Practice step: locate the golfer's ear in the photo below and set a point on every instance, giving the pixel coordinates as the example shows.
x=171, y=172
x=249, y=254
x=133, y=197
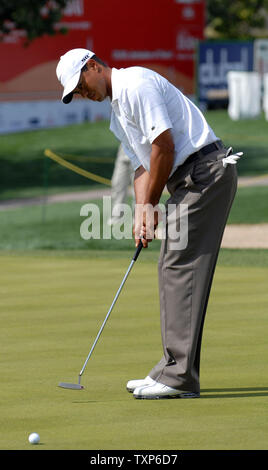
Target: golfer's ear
x=92, y=64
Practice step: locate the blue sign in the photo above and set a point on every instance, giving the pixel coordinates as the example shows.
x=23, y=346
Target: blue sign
x=215, y=60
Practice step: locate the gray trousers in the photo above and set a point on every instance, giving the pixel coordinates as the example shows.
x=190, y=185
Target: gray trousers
x=185, y=275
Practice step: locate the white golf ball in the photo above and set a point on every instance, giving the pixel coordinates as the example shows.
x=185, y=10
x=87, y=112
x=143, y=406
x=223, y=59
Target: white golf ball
x=34, y=438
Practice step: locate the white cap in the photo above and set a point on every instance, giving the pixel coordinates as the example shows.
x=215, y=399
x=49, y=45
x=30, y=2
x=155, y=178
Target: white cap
x=69, y=69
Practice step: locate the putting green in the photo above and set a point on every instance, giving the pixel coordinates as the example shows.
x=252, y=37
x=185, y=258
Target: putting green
x=51, y=310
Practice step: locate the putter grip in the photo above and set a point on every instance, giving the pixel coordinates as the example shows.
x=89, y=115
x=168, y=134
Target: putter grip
x=138, y=250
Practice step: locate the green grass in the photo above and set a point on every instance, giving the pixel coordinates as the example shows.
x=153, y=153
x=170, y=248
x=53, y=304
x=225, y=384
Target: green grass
x=248, y=136
x=52, y=306
x=57, y=226
x=94, y=147
x=250, y=206
x=23, y=163
x=227, y=256
x=88, y=139
x=37, y=191
x=56, y=289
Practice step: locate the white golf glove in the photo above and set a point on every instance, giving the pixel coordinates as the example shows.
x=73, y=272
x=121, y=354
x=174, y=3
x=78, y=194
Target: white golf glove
x=231, y=157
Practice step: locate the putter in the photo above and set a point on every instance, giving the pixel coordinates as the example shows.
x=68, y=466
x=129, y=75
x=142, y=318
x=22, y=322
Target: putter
x=79, y=386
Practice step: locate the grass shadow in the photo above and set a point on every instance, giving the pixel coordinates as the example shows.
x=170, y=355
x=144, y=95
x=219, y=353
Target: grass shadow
x=244, y=392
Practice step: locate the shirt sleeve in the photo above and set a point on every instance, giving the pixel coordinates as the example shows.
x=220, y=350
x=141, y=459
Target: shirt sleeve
x=120, y=134
x=150, y=111
x=133, y=159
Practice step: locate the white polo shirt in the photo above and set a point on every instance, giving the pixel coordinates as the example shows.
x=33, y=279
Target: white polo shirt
x=145, y=104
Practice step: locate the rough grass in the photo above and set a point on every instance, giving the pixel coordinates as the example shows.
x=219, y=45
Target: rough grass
x=57, y=226
x=94, y=148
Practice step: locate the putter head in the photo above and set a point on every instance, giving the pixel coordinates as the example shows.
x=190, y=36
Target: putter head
x=71, y=386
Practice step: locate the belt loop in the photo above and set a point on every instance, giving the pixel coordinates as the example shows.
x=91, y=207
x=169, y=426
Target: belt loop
x=218, y=144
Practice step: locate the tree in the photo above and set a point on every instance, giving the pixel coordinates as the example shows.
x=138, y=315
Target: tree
x=237, y=19
x=35, y=17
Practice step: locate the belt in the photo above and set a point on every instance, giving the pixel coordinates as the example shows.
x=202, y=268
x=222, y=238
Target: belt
x=205, y=151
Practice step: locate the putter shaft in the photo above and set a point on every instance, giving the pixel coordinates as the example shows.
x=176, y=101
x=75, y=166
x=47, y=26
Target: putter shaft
x=136, y=254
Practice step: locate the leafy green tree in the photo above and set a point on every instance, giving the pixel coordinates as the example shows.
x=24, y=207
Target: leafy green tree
x=237, y=19
x=35, y=17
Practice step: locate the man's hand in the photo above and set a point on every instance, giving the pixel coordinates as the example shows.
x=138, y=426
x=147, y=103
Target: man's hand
x=147, y=219
x=149, y=187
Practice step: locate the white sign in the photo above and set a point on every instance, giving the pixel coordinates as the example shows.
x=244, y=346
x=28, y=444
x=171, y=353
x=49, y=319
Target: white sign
x=29, y=115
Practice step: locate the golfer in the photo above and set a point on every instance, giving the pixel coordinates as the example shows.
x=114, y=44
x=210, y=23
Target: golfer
x=169, y=144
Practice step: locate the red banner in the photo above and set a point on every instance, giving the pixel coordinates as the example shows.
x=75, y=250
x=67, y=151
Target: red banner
x=158, y=34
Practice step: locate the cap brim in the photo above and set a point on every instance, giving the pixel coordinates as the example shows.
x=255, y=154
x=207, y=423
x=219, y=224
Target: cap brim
x=69, y=88
x=68, y=98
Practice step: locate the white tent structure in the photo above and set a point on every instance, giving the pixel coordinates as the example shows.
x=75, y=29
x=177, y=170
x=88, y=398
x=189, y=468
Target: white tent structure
x=244, y=89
